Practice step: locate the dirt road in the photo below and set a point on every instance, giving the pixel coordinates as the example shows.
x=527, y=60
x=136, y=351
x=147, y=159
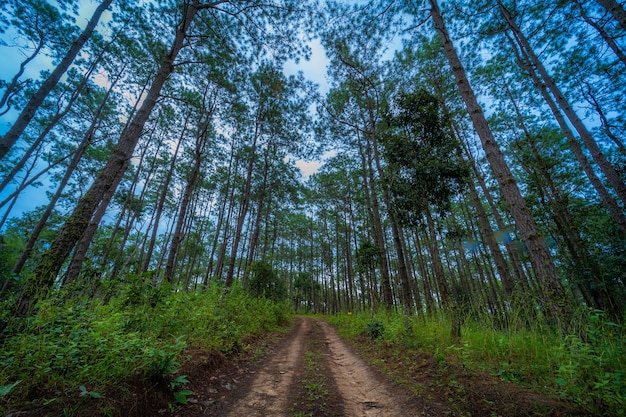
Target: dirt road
x=313, y=373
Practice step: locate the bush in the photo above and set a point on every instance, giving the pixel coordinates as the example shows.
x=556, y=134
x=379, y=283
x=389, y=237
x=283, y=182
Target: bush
x=69, y=344
x=375, y=329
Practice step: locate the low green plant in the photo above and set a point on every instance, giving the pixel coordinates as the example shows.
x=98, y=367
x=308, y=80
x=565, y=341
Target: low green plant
x=375, y=329
x=74, y=343
x=6, y=389
x=587, y=367
x=86, y=393
x=180, y=394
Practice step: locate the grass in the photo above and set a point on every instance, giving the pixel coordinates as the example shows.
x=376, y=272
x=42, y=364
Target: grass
x=586, y=368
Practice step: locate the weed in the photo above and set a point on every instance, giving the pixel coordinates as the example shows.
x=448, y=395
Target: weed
x=71, y=344
x=375, y=329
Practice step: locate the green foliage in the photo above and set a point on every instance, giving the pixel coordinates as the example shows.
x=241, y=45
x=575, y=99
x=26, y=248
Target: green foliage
x=587, y=368
x=74, y=344
x=180, y=396
x=375, y=329
x=305, y=291
x=423, y=168
x=93, y=394
x=6, y=389
x=264, y=282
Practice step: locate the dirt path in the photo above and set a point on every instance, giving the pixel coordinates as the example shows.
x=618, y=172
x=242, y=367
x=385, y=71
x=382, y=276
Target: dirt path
x=311, y=372
x=269, y=391
x=362, y=390
x=283, y=385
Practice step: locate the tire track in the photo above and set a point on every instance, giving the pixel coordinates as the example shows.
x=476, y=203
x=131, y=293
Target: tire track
x=268, y=394
x=363, y=392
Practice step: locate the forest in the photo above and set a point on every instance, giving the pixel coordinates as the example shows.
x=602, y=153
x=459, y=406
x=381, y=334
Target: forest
x=454, y=183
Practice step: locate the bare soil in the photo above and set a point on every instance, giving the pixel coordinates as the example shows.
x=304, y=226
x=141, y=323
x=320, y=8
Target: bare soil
x=310, y=371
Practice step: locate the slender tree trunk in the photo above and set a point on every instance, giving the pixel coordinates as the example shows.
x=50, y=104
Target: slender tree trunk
x=165, y=189
x=9, y=92
x=605, y=36
x=77, y=156
x=108, y=179
x=201, y=141
x=405, y=291
x=12, y=199
x=596, y=153
x=609, y=202
x=44, y=133
x=28, y=112
x=376, y=222
x=428, y=292
x=553, y=293
x=243, y=209
x=220, y=219
x=603, y=119
x=78, y=257
x=254, y=239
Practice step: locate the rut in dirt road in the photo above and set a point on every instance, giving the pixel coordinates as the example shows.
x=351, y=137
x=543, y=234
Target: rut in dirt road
x=268, y=395
x=364, y=393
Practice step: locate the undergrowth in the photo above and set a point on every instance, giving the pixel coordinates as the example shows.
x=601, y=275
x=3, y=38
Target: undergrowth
x=83, y=348
x=586, y=368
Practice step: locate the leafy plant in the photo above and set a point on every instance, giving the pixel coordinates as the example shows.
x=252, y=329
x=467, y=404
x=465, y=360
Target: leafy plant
x=375, y=329
x=6, y=389
x=93, y=394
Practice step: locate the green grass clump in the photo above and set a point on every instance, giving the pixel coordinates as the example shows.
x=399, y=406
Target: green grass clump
x=86, y=346
x=587, y=368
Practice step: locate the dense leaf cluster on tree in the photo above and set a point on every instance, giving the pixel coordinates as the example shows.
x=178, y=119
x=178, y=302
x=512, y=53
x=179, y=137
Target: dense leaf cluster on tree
x=478, y=170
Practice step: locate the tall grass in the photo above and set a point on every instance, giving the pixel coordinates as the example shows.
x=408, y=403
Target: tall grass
x=587, y=367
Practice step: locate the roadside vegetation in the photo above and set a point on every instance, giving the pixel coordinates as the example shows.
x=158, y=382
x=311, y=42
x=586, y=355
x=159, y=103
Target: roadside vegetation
x=586, y=368
x=76, y=350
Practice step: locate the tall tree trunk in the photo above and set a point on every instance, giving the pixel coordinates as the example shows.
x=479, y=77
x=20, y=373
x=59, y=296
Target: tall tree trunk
x=82, y=147
x=609, y=202
x=201, y=141
x=28, y=112
x=12, y=199
x=220, y=218
x=553, y=293
x=405, y=290
x=254, y=239
x=108, y=179
x=10, y=90
x=245, y=200
x=375, y=220
x=165, y=189
x=78, y=257
x=51, y=124
x=605, y=36
x=596, y=153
